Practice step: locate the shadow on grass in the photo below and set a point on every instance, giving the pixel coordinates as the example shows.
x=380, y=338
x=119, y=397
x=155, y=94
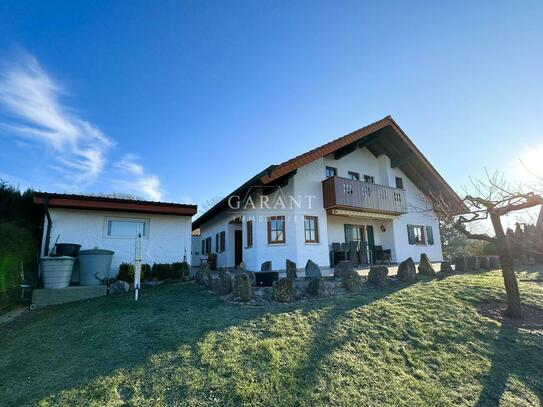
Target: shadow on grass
x=63, y=347
x=524, y=364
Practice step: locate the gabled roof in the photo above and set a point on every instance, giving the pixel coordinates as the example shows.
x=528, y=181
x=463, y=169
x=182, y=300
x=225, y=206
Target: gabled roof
x=72, y=201
x=382, y=137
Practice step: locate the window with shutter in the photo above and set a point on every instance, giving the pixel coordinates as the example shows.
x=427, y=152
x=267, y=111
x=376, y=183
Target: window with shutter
x=222, y=241
x=429, y=235
x=250, y=233
x=415, y=234
x=410, y=234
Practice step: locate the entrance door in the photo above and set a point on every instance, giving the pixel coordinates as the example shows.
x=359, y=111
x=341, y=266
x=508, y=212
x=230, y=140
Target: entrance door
x=238, y=249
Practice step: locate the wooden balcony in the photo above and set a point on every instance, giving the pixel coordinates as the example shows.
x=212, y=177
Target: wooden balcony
x=351, y=195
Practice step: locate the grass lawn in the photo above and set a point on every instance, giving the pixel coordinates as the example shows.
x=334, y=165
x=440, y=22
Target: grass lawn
x=422, y=344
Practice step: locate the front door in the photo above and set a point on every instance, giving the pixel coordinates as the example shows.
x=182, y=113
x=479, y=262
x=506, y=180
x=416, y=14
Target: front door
x=238, y=251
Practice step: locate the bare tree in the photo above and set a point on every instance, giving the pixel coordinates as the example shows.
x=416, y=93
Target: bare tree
x=491, y=199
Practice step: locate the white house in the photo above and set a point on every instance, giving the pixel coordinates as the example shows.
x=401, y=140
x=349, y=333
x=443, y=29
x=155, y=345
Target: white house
x=368, y=187
x=111, y=223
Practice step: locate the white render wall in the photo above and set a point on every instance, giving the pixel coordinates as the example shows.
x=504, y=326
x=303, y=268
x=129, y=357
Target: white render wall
x=168, y=241
x=308, y=182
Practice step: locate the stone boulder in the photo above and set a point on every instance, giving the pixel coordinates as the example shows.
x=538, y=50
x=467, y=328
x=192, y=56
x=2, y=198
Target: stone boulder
x=460, y=264
x=291, y=270
x=319, y=287
x=531, y=261
x=243, y=290
x=343, y=268
x=266, y=266
x=425, y=267
x=494, y=262
x=473, y=263
x=283, y=290
x=352, y=281
x=523, y=259
x=202, y=275
x=378, y=276
x=214, y=283
x=446, y=267
x=119, y=287
x=407, y=271
x=312, y=270
x=225, y=282
x=483, y=262
x=184, y=270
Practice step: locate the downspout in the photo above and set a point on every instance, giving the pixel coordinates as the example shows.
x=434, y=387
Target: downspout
x=49, y=225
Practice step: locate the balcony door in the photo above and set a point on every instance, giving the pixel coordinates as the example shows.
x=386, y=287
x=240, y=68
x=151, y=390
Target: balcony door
x=354, y=233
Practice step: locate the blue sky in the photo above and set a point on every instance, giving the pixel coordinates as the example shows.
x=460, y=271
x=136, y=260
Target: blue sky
x=185, y=100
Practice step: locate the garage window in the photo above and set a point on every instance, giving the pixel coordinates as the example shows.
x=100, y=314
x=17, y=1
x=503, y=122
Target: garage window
x=126, y=228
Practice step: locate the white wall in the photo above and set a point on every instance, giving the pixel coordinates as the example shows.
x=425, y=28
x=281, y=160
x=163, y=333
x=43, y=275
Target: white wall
x=168, y=241
x=361, y=161
x=418, y=214
x=216, y=225
x=308, y=182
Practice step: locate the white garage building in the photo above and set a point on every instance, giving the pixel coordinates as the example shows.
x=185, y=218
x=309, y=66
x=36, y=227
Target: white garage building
x=112, y=223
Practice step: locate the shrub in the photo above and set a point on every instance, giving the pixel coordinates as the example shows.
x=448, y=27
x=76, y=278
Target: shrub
x=126, y=272
x=162, y=271
x=16, y=254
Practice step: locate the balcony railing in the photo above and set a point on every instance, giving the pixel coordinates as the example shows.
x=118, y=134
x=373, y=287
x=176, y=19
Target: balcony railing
x=344, y=193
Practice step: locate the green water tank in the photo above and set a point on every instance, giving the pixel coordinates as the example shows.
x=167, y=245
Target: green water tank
x=94, y=266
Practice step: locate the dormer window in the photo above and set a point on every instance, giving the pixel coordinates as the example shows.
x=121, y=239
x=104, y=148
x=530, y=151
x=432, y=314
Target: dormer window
x=331, y=172
x=354, y=175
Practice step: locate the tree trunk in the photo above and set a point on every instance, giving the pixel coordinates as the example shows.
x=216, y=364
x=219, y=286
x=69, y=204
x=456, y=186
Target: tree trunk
x=508, y=270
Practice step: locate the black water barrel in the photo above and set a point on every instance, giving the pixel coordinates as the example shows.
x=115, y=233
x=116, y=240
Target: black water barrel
x=67, y=249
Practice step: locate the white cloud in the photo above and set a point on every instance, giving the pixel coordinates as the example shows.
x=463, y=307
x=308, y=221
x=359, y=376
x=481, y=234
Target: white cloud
x=31, y=108
x=128, y=164
x=31, y=99
x=141, y=184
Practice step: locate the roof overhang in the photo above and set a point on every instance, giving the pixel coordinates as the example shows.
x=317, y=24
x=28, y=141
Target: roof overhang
x=112, y=204
x=381, y=137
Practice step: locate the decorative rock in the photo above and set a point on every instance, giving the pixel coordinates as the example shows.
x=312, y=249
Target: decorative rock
x=119, y=287
x=343, y=268
x=184, y=270
x=242, y=288
x=225, y=282
x=291, y=270
x=214, y=283
x=473, y=263
x=460, y=263
x=266, y=266
x=523, y=259
x=318, y=287
x=202, y=273
x=446, y=267
x=378, y=276
x=407, y=271
x=483, y=262
x=494, y=262
x=283, y=290
x=252, y=278
x=312, y=270
x=352, y=281
x=531, y=261
x=425, y=267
